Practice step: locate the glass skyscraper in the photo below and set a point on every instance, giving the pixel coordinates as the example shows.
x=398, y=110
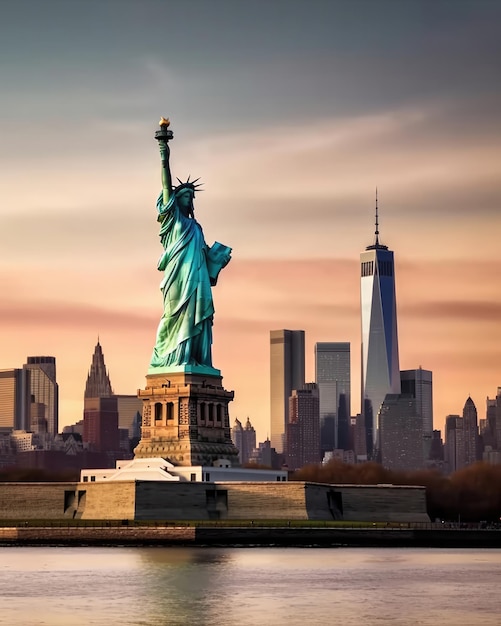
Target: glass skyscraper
x=332, y=375
x=44, y=388
x=419, y=384
x=380, y=364
x=14, y=400
x=286, y=374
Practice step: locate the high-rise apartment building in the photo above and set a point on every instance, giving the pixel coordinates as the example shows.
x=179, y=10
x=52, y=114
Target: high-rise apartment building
x=286, y=374
x=380, y=364
x=14, y=400
x=44, y=388
x=303, y=429
x=418, y=383
x=332, y=374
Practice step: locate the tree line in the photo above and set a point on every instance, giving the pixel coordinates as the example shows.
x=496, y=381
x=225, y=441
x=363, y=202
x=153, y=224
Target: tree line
x=472, y=494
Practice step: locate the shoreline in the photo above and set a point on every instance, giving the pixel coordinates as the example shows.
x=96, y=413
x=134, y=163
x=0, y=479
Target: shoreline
x=249, y=536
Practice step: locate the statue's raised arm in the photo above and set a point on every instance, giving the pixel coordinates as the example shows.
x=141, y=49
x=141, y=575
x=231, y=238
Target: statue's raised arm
x=163, y=135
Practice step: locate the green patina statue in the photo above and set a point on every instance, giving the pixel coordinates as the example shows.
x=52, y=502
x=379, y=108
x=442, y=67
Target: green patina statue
x=191, y=268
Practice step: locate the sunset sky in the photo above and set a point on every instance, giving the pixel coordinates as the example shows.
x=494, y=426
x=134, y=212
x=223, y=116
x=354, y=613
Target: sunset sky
x=291, y=112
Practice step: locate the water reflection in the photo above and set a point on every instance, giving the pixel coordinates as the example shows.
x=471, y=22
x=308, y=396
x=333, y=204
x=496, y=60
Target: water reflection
x=186, y=583
x=248, y=586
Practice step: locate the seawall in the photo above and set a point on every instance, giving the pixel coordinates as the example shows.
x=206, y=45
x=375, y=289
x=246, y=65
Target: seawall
x=250, y=536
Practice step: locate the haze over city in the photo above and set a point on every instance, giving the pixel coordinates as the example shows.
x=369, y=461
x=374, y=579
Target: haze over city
x=291, y=113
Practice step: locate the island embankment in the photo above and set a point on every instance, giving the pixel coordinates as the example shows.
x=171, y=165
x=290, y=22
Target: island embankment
x=196, y=534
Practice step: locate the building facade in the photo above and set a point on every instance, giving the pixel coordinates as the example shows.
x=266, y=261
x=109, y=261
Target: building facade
x=244, y=438
x=44, y=388
x=470, y=432
x=332, y=375
x=380, y=361
x=400, y=433
x=303, y=429
x=14, y=400
x=418, y=383
x=286, y=374
x=101, y=424
x=454, y=443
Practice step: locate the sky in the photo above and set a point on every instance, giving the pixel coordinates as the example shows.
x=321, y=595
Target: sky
x=292, y=113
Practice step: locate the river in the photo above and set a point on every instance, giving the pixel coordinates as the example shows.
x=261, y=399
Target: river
x=152, y=586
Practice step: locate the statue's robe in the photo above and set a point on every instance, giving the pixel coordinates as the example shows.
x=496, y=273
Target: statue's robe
x=184, y=335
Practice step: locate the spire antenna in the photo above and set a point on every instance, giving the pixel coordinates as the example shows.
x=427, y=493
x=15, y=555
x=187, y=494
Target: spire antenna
x=377, y=223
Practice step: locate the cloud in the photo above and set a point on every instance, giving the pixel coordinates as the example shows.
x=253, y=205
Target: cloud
x=456, y=309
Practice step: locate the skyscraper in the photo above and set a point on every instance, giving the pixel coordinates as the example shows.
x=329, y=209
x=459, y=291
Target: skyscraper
x=303, y=429
x=100, y=420
x=400, y=433
x=418, y=383
x=98, y=381
x=380, y=364
x=470, y=430
x=332, y=373
x=14, y=400
x=44, y=388
x=454, y=443
x=286, y=374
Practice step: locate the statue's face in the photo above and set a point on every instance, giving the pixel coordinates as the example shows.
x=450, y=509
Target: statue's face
x=184, y=199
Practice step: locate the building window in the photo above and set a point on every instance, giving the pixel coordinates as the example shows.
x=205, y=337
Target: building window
x=207, y=477
x=170, y=410
x=367, y=268
x=158, y=410
x=92, y=479
x=86, y=479
x=193, y=477
x=211, y=412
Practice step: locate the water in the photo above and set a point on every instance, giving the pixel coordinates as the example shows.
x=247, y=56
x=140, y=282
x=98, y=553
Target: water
x=249, y=586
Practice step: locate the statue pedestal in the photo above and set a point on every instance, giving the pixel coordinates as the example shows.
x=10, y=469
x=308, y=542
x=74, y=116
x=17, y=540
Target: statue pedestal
x=186, y=418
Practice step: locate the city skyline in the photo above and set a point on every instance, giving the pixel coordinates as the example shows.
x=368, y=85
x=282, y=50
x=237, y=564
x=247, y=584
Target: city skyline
x=291, y=138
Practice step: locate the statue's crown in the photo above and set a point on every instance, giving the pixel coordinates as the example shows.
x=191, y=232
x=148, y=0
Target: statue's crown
x=192, y=186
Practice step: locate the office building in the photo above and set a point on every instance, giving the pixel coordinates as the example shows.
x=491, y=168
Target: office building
x=400, y=433
x=286, y=374
x=14, y=400
x=100, y=419
x=494, y=419
x=454, y=443
x=303, y=428
x=101, y=424
x=359, y=437
x=418, y=383
x=98, y=383
x=380, y=363
x=470, y=432
x=44, y=389
x=332, y=375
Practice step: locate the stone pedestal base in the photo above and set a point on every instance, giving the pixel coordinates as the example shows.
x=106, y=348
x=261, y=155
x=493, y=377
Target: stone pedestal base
x=186, y=419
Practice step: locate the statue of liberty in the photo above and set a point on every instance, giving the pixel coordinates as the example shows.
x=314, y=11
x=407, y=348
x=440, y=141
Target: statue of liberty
x=191, y=268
